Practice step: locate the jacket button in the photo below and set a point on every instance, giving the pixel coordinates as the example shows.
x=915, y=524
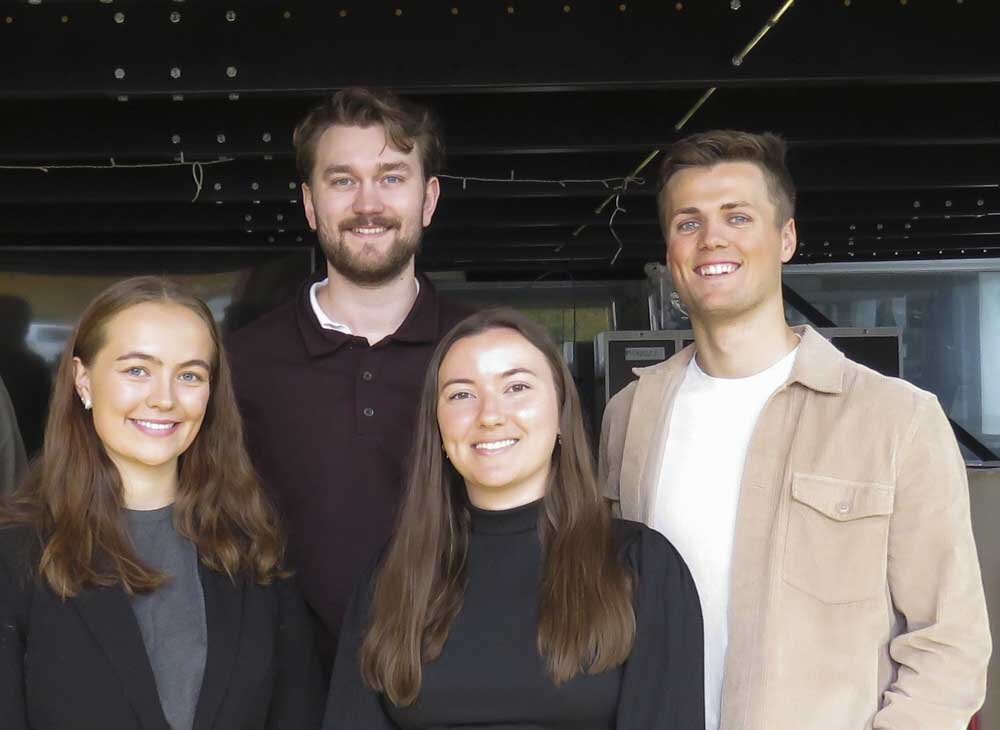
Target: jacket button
x=843, y=507
x=367, y=375
x=369, y=412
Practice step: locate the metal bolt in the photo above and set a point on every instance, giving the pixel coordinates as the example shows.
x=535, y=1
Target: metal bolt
x=454, y=11
x=567, y=8
x=879, y=226
x=735, y=4
x=907, y=226
x=248, y=217
x=622, y=8
x=266, y=136
x=176, y=139
x=220, y=138
x=916, y=203
x=217, y=186
x=175, y=73
x=175, y=17
x=230, y=15
x=64, y=19
x=234, y=97
x=287, y=15
x=280, y=217
x=342, y=13
x=119, y=73
x=178, y=97
x=947, y=204
x=980, y=202
x=255, y=186
x=119, y=18
x=292, y=186
x=122, y=97
x=399, y=11
x=231, y=72
x=510, y=10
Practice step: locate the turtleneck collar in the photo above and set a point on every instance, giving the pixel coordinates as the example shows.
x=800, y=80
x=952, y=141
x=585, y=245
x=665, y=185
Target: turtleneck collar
x=505, y=521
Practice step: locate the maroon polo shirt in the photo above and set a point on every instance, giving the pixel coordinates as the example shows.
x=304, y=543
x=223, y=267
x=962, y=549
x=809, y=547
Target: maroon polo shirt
x=329, y=421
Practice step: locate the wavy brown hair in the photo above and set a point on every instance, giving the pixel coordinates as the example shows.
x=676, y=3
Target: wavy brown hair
x=73, y=496
x=586, y=617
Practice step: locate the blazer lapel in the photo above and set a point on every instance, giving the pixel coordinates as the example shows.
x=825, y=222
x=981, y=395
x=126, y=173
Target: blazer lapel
x=110, y=618
x=224, y=615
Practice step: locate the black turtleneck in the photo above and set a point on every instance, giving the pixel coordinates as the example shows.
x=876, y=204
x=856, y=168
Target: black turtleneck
x=490, y=674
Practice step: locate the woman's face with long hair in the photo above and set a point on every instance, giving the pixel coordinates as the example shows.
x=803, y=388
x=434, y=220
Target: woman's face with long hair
x=498, y=413
x=148, y=384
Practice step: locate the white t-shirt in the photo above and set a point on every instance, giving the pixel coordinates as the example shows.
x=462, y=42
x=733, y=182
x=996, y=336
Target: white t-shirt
x=699, y=490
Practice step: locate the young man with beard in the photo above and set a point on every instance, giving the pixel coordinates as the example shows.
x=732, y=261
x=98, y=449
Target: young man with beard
x=822, y=508
x=328, y=383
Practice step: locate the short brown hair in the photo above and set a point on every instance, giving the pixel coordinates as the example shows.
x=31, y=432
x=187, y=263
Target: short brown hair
x=406, y=124
x=707, y=149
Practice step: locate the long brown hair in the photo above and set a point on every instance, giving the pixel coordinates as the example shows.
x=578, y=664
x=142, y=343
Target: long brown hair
x=73, y=495
x=586, y=618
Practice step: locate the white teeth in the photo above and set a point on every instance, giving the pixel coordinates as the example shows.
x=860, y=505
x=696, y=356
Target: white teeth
x=370, y=231
x=717, y=269
x=496, y=445
x=156, y=426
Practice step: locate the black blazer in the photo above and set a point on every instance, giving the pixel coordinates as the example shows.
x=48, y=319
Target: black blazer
x=81, y=664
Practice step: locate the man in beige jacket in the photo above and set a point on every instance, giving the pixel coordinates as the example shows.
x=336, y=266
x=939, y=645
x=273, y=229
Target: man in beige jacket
x=822, y=508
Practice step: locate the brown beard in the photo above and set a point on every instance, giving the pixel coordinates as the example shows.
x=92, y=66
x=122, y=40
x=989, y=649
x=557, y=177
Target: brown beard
x=396, y=259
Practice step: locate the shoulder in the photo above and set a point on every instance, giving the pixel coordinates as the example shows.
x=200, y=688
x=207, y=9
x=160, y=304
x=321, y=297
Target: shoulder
x=260, y=336
x=894, y=398
x=20, y=551
x=645, y=550
x=450, y=312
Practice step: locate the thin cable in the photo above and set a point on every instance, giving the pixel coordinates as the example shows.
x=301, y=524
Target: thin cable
x=607, y=182
x=115, y=165
x=198, y=173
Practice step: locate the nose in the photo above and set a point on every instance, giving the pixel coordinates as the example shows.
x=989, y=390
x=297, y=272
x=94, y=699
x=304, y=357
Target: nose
x=368, y=199
x=491, y=411
x=161, y=393
x=712, y=236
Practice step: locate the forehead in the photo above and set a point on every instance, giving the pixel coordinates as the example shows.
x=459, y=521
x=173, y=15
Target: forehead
x=359, y=147
x=492, y=353
x=168, y=331
x=702, y=187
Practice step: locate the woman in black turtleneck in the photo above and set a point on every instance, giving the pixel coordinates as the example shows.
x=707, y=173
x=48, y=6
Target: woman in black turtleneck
x=508, y=597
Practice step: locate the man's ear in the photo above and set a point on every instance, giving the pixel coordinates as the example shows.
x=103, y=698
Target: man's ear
x=432, y=191
x=307, y=204
x=789, y=241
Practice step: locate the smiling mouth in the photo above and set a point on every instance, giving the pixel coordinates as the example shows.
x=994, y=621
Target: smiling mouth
x=494, y=447
x=711, y=271
x=155, y=428
x=369, y=231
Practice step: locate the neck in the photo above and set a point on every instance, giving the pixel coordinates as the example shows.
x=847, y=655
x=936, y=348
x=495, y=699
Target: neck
x=744, y=346
x=149, y=487
x=505, y=498
x=373, y=312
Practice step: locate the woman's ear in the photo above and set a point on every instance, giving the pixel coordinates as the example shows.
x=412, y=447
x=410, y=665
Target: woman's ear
x=81, y=379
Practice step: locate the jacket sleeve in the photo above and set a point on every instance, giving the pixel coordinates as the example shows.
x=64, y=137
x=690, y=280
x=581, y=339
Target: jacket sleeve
x=614, y=425
x=351, y=704
x=663, y=687
x=13, y=708
x=935, y=585
x=12, y=457
x=299, y=689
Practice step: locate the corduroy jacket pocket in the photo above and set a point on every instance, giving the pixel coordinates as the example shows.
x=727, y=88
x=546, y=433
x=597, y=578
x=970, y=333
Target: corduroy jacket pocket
x=837, y=538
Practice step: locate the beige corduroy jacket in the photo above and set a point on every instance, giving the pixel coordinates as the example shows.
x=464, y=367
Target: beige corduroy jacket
x=856, y=597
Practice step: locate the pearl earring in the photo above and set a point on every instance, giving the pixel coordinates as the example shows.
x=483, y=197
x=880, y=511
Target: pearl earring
x=87, y=405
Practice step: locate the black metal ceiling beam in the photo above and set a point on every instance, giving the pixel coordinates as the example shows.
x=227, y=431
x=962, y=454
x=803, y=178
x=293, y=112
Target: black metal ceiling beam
x=602, y=44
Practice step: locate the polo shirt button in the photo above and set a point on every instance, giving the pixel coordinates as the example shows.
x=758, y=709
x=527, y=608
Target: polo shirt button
x=367, y=375
x=843, y=507
x=369, y=412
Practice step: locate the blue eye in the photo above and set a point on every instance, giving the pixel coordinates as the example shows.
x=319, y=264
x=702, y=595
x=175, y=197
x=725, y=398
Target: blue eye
x=136, y=371
x=687, y=226
x=739, y=219
x=341, y=182
x=393, y=179
x=191, y=378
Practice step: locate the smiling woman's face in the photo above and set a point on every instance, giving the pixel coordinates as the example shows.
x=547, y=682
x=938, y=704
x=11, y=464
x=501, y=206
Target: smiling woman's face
x=149, y=384
x=498, y=412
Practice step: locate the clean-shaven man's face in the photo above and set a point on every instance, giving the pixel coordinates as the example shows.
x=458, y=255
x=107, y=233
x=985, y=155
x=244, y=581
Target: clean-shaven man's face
x=725, y=246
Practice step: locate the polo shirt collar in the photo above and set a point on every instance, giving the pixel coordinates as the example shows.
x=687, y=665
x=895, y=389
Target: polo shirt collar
x=421, y=324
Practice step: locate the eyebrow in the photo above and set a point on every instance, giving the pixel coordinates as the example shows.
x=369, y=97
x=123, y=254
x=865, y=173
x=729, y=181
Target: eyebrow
x=504, y=374
x=725, y=206
x=398, y=166
x=158, y=361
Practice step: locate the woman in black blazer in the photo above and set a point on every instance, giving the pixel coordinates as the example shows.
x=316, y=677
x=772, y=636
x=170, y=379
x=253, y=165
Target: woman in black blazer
x=140, y=565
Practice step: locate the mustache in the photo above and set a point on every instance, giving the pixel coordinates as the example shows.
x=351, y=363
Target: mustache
x=377, y=221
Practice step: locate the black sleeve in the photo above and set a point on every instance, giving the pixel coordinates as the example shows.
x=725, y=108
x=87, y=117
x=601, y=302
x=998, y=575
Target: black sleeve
x=351, y=705
x=298, y=695
x=12, y=646
x=664, y=683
